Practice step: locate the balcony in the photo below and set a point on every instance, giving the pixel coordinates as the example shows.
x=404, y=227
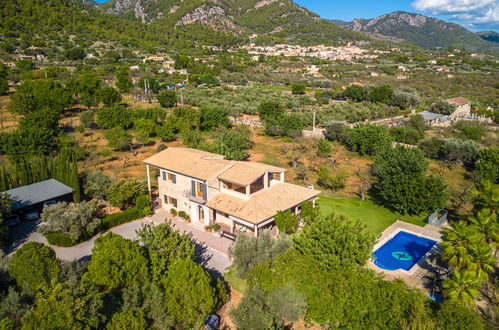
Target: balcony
x=198, y=198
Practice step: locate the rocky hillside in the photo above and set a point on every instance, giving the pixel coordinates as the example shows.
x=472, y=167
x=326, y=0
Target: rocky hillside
x=421, y=30
x=267, y=20
x=489, y=36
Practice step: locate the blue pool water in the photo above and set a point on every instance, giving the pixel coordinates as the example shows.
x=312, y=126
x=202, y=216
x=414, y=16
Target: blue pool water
x=402, y=251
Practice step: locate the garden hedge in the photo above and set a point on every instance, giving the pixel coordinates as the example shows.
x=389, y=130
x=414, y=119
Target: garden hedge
x=122, y=217
x=60, y=239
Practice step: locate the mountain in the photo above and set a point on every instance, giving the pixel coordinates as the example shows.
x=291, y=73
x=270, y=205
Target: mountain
x=269, y=21
x=489, y=36
x=421, y=30
x=62, y=24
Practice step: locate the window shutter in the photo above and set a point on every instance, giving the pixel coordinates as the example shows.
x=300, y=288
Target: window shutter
x=205, y=193
x=174, y=178
x=193, y=188
x=164, y=175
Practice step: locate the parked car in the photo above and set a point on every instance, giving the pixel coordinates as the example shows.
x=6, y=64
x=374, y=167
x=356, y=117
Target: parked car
x=212, y=322
x=12, y=220
x=31, y=216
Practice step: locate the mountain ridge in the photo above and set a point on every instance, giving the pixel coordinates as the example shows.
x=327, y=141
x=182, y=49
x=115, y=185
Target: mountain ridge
x=424, y=31
x=272, y=20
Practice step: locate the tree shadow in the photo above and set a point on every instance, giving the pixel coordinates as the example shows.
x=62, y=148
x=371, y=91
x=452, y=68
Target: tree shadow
x=19, y=234
x=202, y=256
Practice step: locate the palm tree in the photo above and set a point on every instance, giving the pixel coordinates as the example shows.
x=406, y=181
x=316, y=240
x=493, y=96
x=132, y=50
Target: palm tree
x=486, y=223
x=483, y=261
x=463, y=287
x=458, y=244
x=486, y=196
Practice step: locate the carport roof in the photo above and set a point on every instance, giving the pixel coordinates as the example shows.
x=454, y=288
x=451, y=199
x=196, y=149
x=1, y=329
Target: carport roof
x=37, y=193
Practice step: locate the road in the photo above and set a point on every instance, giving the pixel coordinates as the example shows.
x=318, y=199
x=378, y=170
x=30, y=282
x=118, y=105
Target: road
x=214, y=261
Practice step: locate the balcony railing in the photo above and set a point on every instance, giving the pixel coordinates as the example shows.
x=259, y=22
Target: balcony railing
x=194, y=198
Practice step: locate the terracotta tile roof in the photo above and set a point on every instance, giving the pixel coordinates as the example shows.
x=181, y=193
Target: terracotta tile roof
x=459, y=101
x=191, y=162
x=264, y=204
x=244, y=173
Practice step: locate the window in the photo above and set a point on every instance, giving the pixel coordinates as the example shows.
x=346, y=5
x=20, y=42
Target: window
x=199, y=189
x=172, y=177
x=163, y=174
x=172, y=201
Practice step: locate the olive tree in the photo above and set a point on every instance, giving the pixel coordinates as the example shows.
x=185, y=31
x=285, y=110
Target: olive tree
x=78, y=220
x=124, y=192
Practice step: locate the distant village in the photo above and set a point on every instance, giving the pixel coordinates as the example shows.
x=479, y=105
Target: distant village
x=347, y=53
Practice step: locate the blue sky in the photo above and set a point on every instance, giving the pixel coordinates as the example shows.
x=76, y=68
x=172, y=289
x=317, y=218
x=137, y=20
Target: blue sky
x=476, y=15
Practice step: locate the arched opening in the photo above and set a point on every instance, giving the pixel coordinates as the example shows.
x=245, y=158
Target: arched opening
x=201, y=213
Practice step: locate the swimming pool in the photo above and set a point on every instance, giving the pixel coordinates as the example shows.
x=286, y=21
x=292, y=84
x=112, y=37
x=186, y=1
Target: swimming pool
x=402, y=251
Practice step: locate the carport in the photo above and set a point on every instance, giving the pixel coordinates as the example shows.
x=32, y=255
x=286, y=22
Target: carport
x=33, y=196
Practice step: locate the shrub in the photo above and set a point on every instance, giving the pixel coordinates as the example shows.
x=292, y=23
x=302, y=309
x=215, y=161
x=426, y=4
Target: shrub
x=356, y=93
x=34, y=266
x=142, y=202
x=109, y=95
x=459, y=151
x=213, y=117
x=250, y=251
x=121, y=218
x=173, y=212
x=114, y=116
x=78, y=220
x=298, y=89
x=216, y=227
x=286, y=221
x=327, y=180
x=472, y=130
x=406, y=135
x=368, y=139
x=335, y=131
x=87, y=118
x=184, y=215
x=442, y=107
x=323, y=148
x=60, y=239
x=487, y=166
x=125, y=192
x=380, y=94
x=405, y=98
x=167, y=98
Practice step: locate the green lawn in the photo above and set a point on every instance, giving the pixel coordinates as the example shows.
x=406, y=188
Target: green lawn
x=235, y=281
x=376, y=218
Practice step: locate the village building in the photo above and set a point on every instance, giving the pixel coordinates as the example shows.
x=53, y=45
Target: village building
x=463, y=108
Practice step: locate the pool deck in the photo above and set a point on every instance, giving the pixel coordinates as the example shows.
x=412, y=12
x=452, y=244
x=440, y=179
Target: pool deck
x=425, y=266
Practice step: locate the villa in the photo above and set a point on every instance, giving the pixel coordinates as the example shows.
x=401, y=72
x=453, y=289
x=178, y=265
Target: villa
x=463, y=108
x=241, y=196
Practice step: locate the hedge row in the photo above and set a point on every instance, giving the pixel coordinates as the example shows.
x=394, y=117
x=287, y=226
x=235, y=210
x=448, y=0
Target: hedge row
x=60, y=239
x=122, y=217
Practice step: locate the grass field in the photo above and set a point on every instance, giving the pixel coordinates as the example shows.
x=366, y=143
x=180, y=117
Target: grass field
x=235, y=281
x=376, y=217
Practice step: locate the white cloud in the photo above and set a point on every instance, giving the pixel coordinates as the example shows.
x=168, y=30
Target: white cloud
x=469, y=12
x=451, y=6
